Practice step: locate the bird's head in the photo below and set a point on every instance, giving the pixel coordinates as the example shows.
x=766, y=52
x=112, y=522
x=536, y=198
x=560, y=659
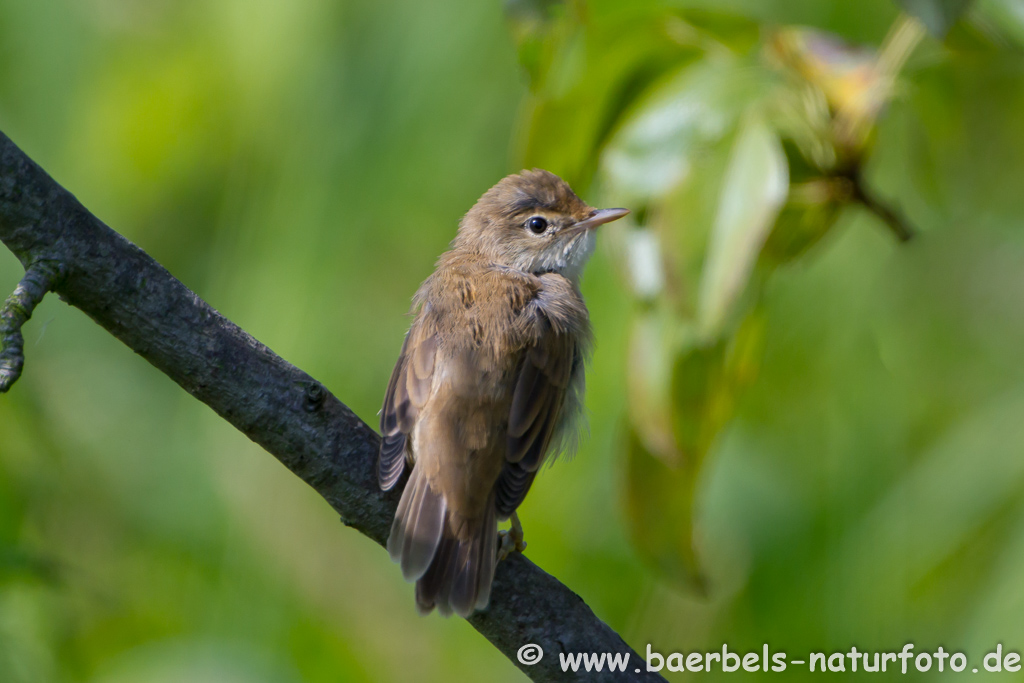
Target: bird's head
x=533, y=221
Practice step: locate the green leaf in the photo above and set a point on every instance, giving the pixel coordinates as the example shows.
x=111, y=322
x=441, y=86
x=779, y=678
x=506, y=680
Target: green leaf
x=532, y=24
x=659, y=509
x=681, y=397
x=702, y=399
x=735, y=31
x=706, y=382
x=1003, y=18
x=755, y=188
x=589, y=75
x=938, y=16
x=809, y=214
x=653, y=347
x=681, y=116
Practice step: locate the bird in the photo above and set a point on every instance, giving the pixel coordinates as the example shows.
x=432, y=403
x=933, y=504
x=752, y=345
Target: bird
x=488, y=385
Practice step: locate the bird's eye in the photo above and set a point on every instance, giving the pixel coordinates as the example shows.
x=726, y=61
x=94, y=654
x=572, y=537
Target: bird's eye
x=537, y=225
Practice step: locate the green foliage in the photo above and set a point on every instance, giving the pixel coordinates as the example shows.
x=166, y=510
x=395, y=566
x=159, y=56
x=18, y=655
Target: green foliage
x=812, y=429
x=938, y=15
x=753, y=191
x=744, y=151
x=789, y=113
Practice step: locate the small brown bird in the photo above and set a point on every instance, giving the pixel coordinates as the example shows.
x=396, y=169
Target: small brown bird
x=488, y=384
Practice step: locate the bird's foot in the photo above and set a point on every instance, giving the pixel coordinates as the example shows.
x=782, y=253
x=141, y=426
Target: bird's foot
x=511, y=539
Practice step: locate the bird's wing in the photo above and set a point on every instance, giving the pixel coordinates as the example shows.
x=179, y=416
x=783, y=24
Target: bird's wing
x=543, y=380
x=407, y=393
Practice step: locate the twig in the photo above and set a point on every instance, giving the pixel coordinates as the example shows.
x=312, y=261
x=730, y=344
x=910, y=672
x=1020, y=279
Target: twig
x=38, y=280
x=889, y=215
x=275, y=404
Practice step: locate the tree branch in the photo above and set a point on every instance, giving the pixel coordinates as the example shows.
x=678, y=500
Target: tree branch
x=275, y=404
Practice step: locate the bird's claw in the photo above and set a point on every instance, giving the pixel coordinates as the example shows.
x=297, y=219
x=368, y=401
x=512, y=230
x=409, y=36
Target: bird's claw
x=511, y=539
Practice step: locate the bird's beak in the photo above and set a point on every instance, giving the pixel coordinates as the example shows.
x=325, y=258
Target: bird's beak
x=600, y=217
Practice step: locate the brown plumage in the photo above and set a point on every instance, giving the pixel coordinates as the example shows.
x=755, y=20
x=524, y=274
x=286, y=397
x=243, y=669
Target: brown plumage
x=488, y=384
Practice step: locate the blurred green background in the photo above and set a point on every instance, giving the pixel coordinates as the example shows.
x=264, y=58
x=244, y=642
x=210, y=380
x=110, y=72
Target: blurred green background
x=803, y=432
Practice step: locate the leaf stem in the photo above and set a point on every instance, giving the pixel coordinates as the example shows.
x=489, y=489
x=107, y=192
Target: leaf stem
x=884, y=211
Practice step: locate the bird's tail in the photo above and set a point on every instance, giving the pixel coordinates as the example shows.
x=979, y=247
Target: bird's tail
x=452, y=564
